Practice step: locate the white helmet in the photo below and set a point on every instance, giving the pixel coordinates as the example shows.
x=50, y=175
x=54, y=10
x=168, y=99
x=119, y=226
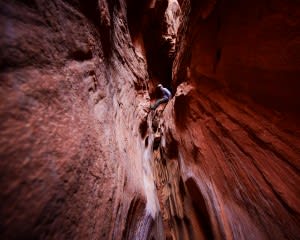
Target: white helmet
x=159, y=85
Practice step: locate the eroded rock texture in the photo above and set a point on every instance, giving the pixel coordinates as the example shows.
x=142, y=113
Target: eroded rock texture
x=83, y=158
x=73, y=97
x=230, y=138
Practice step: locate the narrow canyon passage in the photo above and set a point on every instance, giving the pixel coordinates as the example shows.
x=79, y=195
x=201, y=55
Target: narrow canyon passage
x=84, y=157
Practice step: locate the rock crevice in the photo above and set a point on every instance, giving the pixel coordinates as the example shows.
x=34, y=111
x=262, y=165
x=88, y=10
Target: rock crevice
x=82, y=155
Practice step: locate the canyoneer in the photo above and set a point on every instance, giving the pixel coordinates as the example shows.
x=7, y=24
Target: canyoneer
x=166, y=96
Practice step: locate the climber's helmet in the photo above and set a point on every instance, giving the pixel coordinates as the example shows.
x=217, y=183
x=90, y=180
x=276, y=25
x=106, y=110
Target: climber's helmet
x=159, y=86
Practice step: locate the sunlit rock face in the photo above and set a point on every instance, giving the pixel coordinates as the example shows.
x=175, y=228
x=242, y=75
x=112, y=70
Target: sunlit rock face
x=83, y=157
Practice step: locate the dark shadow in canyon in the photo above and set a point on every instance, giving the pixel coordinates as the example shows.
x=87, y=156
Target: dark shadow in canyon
x=147, y=23
x=200, y=207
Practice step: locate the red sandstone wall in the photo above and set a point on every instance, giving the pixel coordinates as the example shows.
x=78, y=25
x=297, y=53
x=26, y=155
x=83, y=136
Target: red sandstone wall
x=82, y=158
x=251, y=47
x=71, y=88
x=238, y=157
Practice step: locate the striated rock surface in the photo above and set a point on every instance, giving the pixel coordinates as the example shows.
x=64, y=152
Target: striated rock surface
x=230, y=137
x=250, y=47
x=82, y=157
x=238, y=167
x=73, y=98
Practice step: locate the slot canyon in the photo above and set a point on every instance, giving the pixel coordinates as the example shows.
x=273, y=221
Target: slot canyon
x=83, y=156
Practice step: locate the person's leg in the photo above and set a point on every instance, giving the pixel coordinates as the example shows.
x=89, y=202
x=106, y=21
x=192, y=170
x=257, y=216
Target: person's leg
x=158, y=102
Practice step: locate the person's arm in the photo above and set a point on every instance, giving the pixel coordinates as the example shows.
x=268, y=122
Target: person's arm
x=167, y=93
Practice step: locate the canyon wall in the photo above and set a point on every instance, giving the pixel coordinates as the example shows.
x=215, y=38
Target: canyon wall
x=73, y=108
x=82, y=156
x=230, y=136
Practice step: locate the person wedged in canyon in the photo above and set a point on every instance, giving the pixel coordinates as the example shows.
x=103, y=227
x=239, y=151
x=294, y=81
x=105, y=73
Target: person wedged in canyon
x=166, y=96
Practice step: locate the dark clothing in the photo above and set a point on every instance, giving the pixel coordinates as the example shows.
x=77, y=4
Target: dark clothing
x=159, y=101
x=166, y=97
